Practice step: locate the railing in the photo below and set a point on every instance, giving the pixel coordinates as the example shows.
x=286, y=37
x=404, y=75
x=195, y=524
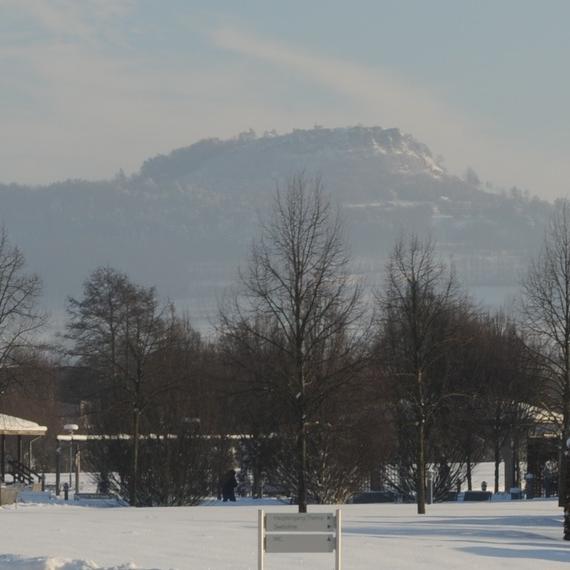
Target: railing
x=23, y=474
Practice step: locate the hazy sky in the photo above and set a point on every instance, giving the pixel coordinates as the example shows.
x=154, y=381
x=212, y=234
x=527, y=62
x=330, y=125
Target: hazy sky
x=91, y=86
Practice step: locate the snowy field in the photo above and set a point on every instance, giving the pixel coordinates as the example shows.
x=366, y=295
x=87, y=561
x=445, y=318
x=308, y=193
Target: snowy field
x=467, y=536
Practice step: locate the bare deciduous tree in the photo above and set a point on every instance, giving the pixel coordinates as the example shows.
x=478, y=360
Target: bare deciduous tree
x=298, y=298
x=19, y=315
x=546, y=313
x=419, y=329
x=115, y=328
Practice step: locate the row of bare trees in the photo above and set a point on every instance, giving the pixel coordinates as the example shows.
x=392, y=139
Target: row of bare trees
x=325, y=382
x=418, y=380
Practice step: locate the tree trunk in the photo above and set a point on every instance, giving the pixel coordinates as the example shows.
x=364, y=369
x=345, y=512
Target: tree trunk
x=563, y=491
x=421, y=484
x=497, y=459
x=135, y=465
x=256, y=487
x=516, y=464
x=469, y=474
x=302, y=464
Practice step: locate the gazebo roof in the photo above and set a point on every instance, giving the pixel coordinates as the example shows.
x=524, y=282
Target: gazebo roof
x=10, y=425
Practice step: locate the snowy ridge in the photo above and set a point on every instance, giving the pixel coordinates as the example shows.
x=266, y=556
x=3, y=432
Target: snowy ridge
x=396, y=152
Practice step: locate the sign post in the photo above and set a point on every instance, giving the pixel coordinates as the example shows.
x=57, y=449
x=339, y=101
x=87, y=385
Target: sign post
x=260, y=539
x=299, y=532
x=338, y=549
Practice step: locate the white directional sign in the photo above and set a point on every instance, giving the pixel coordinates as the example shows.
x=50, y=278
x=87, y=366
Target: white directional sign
x=299, y=522
x=299, y=543
x=299, y=532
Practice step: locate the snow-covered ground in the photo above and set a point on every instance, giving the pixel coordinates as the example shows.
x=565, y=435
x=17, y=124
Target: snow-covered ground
x=467, y=536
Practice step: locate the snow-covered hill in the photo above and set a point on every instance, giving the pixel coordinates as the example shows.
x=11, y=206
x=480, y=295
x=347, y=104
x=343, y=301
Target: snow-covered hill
x=184, y=221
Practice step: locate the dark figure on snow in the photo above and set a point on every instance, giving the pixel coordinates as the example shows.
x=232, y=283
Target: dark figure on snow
x=229, y=486
x=104, y=485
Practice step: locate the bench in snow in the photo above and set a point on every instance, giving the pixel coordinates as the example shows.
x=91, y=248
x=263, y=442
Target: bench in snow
x=477, y=496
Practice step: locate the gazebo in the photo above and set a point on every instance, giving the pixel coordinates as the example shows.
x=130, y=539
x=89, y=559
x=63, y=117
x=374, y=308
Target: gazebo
x=18, y=427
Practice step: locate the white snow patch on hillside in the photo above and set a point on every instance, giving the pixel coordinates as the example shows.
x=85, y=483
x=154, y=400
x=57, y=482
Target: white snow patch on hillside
x=378, y=149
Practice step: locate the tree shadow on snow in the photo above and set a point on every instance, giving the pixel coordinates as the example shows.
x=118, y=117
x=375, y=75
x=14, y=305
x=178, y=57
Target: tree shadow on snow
x=504, y=521
x=551, y=554
x=451, y=532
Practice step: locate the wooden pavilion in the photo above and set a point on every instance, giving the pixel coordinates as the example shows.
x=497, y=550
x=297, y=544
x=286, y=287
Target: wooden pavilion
x=11, y=426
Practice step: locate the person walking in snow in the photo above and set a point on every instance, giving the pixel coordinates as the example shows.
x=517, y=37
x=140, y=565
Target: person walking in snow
x=229, y=486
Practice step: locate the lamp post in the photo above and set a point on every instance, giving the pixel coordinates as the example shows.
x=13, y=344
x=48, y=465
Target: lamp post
x=566, y=487
x=70, y=428
x=57, y=468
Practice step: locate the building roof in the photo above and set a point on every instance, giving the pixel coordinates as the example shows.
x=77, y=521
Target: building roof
x=10, y=425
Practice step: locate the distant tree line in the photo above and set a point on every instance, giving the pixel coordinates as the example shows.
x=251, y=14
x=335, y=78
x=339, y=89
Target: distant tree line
x=312, y=383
